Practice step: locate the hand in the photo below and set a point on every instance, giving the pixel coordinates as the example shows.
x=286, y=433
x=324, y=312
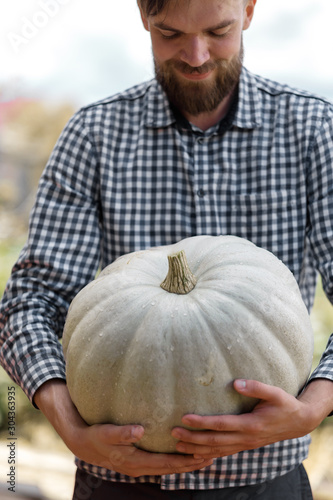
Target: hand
x=278, y=416
x=113, y=447
x=107, y=445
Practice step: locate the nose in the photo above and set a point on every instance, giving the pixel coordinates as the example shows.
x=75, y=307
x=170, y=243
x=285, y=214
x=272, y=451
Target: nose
x=195, y=51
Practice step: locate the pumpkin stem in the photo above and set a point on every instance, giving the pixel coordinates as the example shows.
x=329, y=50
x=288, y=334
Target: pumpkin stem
x=179, y=279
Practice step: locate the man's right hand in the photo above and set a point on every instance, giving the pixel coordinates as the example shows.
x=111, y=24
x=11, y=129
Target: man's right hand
x=106, y=445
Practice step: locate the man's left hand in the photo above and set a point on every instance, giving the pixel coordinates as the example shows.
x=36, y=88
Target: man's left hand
x=277, y=416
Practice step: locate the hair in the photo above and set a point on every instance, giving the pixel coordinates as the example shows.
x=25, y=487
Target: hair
x=155, y=7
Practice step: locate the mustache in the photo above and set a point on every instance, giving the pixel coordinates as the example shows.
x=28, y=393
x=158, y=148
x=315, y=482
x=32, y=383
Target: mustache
x=190, y=70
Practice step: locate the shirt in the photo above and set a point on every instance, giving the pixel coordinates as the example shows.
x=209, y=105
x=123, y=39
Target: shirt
x=126, y=174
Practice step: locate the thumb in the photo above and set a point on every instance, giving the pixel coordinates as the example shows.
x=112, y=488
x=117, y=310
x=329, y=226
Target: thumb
x=131, y=433
x=258, y=390
x=121, y=434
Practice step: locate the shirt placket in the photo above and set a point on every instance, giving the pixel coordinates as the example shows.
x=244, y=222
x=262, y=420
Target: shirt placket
x=202, y=191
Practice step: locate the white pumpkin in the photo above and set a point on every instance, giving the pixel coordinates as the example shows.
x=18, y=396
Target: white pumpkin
x=139, y=354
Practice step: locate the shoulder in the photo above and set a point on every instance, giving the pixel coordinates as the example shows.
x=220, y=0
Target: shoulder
x=122, y=106
x=271, y=102
x=134, y=93
x=292, y=97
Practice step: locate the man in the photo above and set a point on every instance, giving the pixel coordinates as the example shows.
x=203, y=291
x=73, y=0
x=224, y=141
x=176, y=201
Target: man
x=206, y=148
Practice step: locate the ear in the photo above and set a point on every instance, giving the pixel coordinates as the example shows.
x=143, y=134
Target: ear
x=249, y=11
x=144, y=18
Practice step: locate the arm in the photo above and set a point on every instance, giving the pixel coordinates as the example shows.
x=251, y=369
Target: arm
x=277, y=417
x=61, y=255
x=108, y=446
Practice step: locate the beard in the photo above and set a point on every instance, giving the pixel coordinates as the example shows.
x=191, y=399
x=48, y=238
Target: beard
x=196, y=97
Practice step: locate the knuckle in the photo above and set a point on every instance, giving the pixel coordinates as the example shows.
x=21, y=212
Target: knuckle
x=255, y=385
x=177, y=470
x=107, y=434
x=173, y=469
x=213, y=440
x=281, y=396
x=256, y=428
x=220, y=426
x=215, y=451
x=251, y=443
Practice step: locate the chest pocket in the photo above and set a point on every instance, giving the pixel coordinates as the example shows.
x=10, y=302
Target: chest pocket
x=274, y=220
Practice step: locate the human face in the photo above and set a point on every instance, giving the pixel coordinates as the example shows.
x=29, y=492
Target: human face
x=198, y=52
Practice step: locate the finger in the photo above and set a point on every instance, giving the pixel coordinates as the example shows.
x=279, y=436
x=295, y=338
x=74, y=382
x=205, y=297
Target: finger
x=159, y=463
x=173, y=461
x=259, y=390
x=206, y=438
x=220, y=423
x=209, y=444
x=125, y=434
x=199, y=451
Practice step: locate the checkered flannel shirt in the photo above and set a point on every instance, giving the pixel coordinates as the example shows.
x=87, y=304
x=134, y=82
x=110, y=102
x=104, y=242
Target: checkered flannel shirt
x=127, y=174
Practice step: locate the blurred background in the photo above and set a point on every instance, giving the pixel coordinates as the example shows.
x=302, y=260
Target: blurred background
x=57, y=55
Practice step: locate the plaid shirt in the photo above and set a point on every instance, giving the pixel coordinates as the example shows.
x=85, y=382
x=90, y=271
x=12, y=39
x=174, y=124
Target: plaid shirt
x=127, y=174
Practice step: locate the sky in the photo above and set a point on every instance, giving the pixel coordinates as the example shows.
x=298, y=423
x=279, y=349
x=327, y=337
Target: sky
x=82, y=50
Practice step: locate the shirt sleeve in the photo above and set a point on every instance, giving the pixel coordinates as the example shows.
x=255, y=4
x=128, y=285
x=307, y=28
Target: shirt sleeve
x=320, y=232
x=61, y=256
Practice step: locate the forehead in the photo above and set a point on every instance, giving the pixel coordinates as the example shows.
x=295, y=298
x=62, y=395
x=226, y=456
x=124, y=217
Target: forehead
x=189, y=15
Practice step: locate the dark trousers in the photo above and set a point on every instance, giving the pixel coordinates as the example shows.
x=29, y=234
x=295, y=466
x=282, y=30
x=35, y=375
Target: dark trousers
x=292, y=486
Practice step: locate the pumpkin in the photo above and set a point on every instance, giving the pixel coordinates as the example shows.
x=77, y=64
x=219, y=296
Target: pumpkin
x=164, y=332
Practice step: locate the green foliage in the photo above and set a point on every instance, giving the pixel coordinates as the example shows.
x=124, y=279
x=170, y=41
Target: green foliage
x=9, y=251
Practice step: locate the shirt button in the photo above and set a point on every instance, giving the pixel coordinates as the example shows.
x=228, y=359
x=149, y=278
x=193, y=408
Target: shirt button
x=200, y=140
x=201, y=193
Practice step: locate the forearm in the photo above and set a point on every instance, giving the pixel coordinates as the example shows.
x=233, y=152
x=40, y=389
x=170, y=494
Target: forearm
x=318, y=398
x=54, y=401
x=323, y=374
x=325, y=368
x=30, y=351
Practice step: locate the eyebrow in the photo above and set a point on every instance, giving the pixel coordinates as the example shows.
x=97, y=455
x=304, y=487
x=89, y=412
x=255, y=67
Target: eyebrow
x=219, y=26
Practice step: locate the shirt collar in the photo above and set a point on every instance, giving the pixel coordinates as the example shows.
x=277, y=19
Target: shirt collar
x=248, y=113
x=159, y=113
x=249, y=110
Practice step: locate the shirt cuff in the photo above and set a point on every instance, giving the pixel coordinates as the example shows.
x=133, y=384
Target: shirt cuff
x=36, y=371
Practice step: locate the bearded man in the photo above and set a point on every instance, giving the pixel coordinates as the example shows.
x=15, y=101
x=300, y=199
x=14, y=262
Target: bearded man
x=206, y=147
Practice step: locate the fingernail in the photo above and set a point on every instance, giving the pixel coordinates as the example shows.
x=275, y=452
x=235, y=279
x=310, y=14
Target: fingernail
x=176, y=433
x=240, y=384
x=136, y=432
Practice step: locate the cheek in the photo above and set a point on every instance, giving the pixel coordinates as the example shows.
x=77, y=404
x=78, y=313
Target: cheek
x=226, y=48
x=163, y=50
